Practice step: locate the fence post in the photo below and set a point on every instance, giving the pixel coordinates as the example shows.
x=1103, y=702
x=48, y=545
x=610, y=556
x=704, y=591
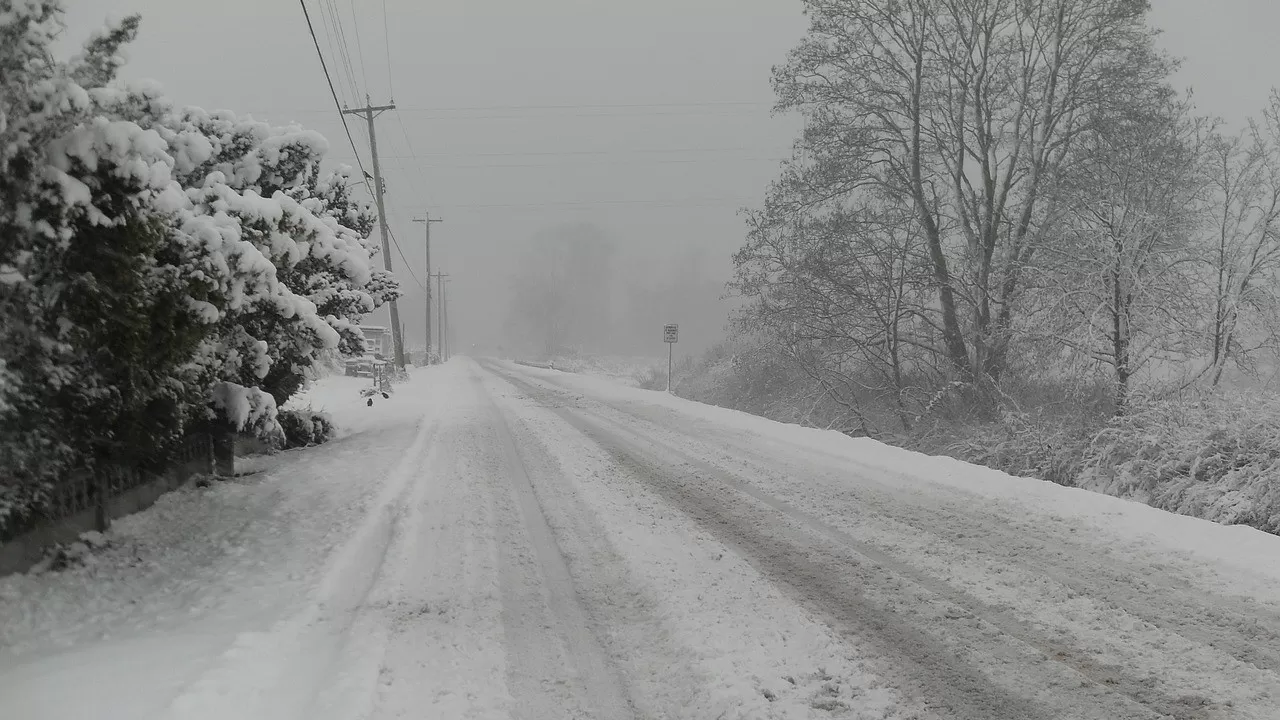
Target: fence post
x=206, y=453
x=224, y=451
x=103, y=486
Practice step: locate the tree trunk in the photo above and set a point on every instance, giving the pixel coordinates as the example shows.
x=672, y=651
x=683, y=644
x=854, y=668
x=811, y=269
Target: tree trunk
x=1120, y=343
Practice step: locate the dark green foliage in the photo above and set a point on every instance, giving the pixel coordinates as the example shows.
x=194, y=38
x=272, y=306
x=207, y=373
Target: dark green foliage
x=303, y=428
x=131, y=318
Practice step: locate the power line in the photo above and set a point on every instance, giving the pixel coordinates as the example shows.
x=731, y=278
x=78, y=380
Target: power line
x=407, y=266
x=610, y=163
x=598, y=106
x=691, y=202
x=311, y=28
x=386, y=45
x=404, y=132
x=344, y=50
x=355, y=27
x=329, y=35
x=582, y=106
x=596, y=153
x=417, y=163
x=441, y=116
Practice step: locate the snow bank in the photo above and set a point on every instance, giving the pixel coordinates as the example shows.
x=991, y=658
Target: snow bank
x=208, y=578
x=618, y=368
x=1255, y=554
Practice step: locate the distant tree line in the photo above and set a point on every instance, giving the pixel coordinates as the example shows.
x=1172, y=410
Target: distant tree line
x=161, y=268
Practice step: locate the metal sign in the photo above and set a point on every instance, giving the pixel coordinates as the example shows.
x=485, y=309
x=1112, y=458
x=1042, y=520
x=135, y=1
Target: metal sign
x=671, y=333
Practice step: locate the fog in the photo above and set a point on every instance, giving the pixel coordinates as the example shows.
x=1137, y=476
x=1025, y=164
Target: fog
x=637, y=128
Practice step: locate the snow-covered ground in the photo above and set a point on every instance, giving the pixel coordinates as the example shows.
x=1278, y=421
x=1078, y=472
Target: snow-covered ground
x=621, y=369
x=498, y=541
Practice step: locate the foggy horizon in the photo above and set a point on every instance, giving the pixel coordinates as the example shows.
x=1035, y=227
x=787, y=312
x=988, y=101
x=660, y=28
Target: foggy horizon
x=513, y=121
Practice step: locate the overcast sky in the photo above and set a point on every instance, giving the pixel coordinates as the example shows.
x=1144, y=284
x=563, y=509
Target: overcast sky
x=651, y=119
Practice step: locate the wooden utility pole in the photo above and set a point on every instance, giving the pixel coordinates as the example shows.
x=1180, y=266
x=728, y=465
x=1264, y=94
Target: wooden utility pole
x=369, y=112
x=426, y=221
x=440, y=312
x=448, y=337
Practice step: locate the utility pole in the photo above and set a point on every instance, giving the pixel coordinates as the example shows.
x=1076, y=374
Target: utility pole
x=440, y=312
x=426, y=221
x=369, y=112
x=448, y=333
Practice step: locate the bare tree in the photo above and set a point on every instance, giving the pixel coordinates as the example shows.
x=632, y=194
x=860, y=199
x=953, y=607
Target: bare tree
x=848, y=292
x=1121, y=270
x=966, y=110
x=1243, y=252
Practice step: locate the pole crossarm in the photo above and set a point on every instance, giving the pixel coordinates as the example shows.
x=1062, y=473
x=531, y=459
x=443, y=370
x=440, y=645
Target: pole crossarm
x=367, y=109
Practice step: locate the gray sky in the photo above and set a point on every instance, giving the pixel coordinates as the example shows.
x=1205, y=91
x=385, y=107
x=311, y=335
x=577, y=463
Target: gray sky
x=501, y=103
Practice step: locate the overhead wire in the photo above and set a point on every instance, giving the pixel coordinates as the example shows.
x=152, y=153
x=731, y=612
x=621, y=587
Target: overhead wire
x=689, y=202
x=342, y=116
x=344, y=50
x=415, y=187
x=599, y=106
x=329, y=35
x=386, y=46
x=417, y=163
x=450, y=114
x=407, y=265
x=355, y=27
x=620, y=151
x=337, y=42
x=598, y=153
x=608, y=163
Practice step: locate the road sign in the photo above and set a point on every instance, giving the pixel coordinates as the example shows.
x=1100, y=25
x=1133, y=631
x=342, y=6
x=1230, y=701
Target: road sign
x=670, y=335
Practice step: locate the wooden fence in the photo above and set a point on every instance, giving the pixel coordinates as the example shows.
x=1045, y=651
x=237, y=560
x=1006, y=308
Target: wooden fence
x=90, y=500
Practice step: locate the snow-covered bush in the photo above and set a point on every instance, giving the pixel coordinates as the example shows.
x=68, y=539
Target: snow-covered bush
x=1040, y=445
x=303, y=428
x=308, y=227
x=1216, y=458
x=650, y=378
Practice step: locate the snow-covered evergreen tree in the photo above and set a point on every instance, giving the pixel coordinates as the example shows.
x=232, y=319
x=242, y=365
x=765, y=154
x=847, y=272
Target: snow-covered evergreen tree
x=312, y=231
x=159, y=266
x=99, y=320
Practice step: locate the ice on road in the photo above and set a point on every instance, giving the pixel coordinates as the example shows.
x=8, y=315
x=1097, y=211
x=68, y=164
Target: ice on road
x=498, y=541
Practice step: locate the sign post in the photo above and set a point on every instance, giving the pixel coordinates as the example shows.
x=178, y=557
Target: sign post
x=670, y=335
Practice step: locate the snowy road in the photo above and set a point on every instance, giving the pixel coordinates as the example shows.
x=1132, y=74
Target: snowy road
x=505, y=542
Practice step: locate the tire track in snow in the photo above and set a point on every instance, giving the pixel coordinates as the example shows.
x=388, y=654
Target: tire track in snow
x=441, y=613
x=870, y=609
x=1161, y=632
x=819, y=580
x=279, y=673
x=700, y=633
x=539, y=596
x=1146, y=608
x=1246, y=631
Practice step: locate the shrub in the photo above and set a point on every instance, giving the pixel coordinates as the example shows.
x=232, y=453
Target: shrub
x=1040, y=445
x=651, y=379
x=1216, y=457
x=304, y=428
